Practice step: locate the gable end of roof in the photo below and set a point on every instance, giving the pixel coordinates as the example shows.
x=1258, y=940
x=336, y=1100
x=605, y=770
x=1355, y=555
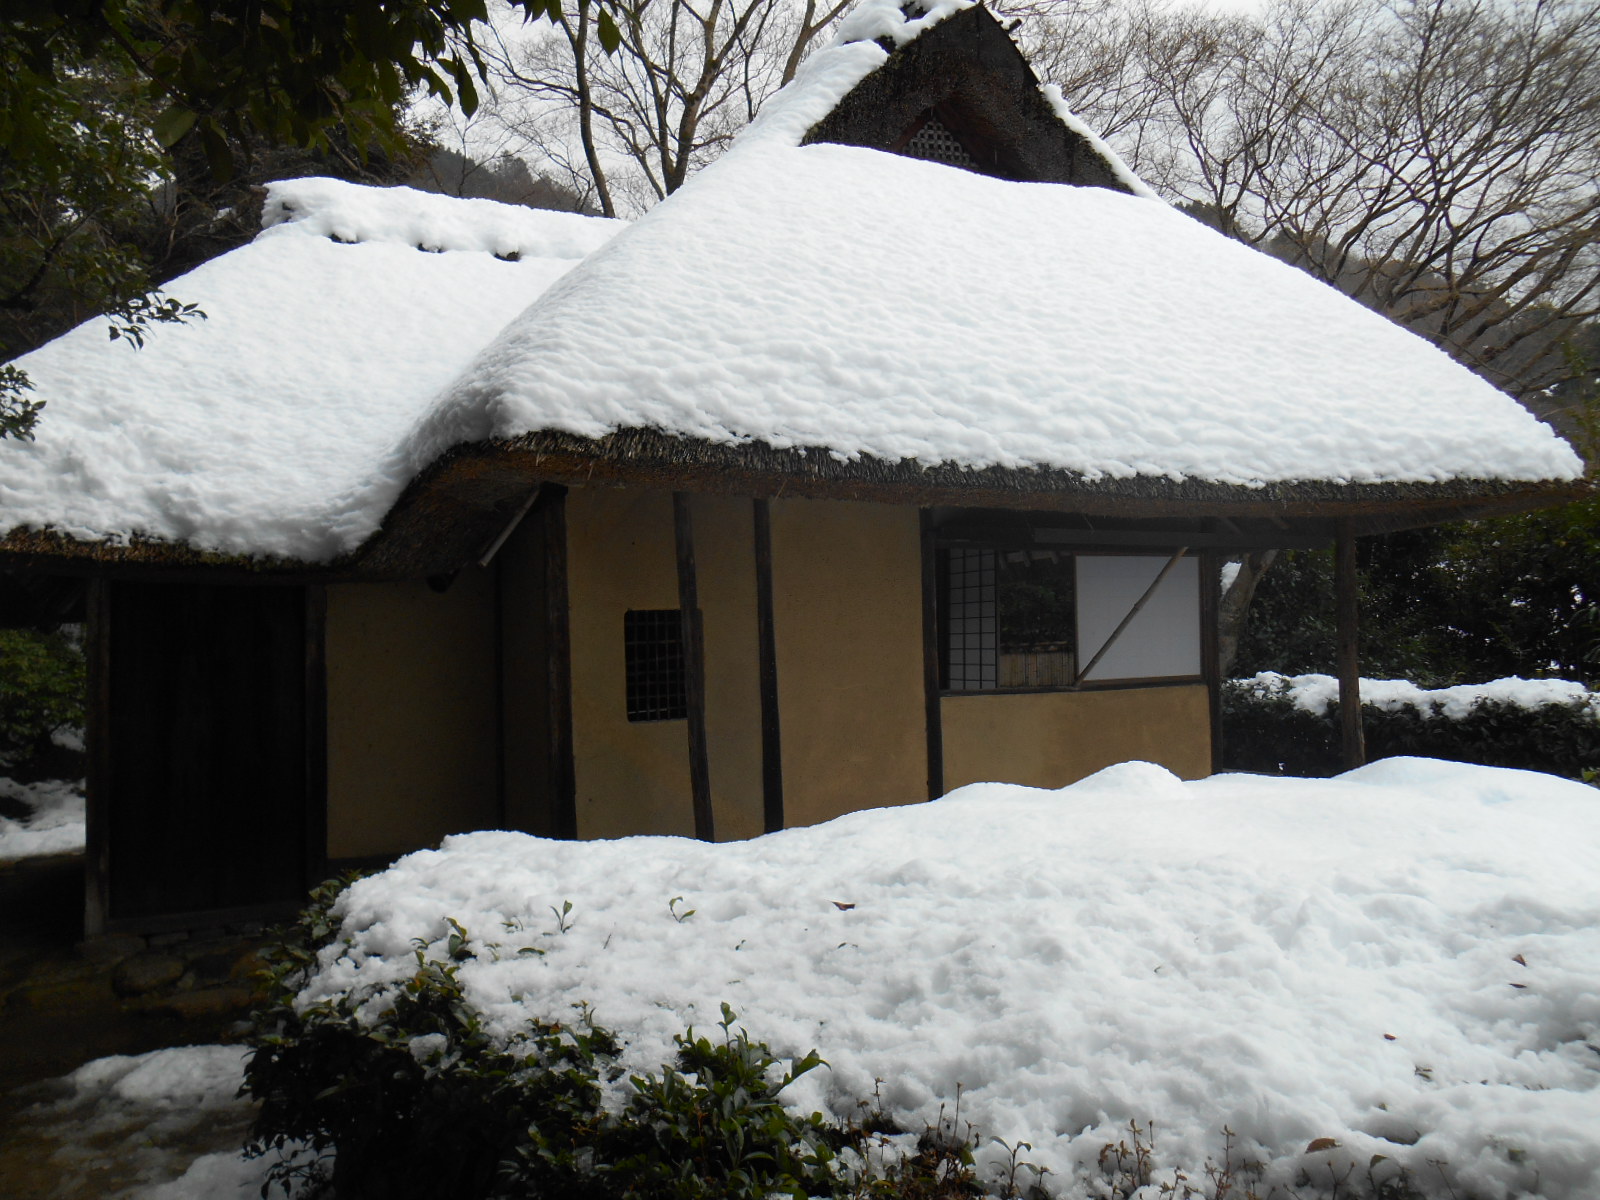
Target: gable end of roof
x=967, y=74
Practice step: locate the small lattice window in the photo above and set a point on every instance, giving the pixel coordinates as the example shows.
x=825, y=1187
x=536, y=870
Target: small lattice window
x=1007, y=618
x=935, y=143
x=653, y=648
x=971, y=658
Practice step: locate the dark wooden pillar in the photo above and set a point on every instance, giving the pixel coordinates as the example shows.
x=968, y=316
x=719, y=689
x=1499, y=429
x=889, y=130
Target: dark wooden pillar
x=97, y=848
x=933, y=718
x=694, y=668
x=1211, y=647
x=316, y=734
x=767, y=657
x=558, y=659
x=1348, y=587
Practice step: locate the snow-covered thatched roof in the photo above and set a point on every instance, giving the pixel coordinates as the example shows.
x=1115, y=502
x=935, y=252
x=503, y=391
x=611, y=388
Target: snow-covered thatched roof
x=804, y=316
x=268, y=427
x=866, y=304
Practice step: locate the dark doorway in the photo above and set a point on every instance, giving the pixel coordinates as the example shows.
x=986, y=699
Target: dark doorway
x=205, y=788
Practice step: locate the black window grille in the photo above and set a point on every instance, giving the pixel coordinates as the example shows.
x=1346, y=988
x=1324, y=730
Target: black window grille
x=652, y=642
x=1007, y=618
x=935, y=143
x=971, y=646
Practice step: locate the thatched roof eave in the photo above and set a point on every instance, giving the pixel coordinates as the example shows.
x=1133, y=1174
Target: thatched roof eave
x=457, y=508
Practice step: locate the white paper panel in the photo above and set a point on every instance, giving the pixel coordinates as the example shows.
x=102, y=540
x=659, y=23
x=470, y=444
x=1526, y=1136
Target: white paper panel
x=1163, y=640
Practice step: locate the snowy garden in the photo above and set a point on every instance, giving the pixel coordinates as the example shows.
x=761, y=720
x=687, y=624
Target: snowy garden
x=977, y=328
x=1324, y=987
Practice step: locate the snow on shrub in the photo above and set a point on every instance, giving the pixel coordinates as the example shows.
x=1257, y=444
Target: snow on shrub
x=1396, y=966
x=1289, y=724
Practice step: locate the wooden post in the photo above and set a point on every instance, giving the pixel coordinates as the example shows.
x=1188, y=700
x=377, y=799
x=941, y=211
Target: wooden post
x=558, y=659
x=1349, y=620
x=767, y=655
x=1211, y=647
x=316, y=734
x=932, y=714
x=694, y=668
x=97, y=849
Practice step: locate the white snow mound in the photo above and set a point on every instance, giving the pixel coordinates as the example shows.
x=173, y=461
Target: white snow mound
x=1402, y=959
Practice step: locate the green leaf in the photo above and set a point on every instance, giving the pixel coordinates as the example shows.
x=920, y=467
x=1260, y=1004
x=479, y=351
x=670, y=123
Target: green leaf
x=610, y=35
x=172, y=124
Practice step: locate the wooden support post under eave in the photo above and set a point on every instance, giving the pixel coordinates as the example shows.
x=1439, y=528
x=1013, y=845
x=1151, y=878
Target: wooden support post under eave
x=316, y=734
x=694, y=668
x=1211, y=647
x=97, y=848
x=932, y=712
x=767, y=657
x=1348, y=589
x=558, y=662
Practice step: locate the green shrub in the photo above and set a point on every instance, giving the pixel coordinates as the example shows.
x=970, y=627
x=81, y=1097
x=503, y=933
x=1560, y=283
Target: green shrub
x=1264, y=731
x=42, y=686
x=422, y=1102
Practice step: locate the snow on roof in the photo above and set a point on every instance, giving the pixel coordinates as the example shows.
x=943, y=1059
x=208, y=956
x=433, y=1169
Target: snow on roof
x=868, y=304
x=260, y=430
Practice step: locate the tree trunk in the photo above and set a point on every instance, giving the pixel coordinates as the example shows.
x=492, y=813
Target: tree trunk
x=1235, y=605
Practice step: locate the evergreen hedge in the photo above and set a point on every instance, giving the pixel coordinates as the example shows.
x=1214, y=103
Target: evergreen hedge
x=1264, y=731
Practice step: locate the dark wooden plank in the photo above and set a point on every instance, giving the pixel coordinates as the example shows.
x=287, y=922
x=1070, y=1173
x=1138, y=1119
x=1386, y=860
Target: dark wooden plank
x=208, y=757
x=97, y=848
x=1348, y=587
x=1211, y=647
x=933, y=719
x=767, y=651
x=316, y=724
x=694, y=664
x=558, y=627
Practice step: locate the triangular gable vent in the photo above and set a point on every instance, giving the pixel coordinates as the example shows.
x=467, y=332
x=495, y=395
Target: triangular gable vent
x=935, y=143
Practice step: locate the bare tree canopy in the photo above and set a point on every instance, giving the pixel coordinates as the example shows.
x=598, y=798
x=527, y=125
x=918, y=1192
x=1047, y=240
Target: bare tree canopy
x=627, y=128
x=1437, y=159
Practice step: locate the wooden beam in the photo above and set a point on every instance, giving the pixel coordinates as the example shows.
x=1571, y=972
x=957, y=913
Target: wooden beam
x=97, y=848
x=316, y=735
x=1138, y=607
x=694, y=668
x=558, y=663
x=933, y=717
x=1211, y=647
x=767, y=655
x=1348, y=587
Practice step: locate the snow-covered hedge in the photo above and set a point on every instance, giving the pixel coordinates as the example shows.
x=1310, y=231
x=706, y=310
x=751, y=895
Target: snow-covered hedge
x=1290, y=724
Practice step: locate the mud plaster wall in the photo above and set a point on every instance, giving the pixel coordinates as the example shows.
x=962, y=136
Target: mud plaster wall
x=411, y=714
x=1050, y=739
x=848, y=617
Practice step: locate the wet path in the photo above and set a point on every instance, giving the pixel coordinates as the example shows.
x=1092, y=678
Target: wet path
x=64, y=1002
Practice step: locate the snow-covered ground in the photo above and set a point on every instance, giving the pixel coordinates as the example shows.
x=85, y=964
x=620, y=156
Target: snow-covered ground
x=55, y=824
x=157, y=1126
x=1314, y=693
x=1404, y=959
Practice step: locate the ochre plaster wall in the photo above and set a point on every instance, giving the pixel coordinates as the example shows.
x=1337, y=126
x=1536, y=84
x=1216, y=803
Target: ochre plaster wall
x=631, y=777
x=411, y=716
x=725, y=569
x=847, y=583
x=1050, y=739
